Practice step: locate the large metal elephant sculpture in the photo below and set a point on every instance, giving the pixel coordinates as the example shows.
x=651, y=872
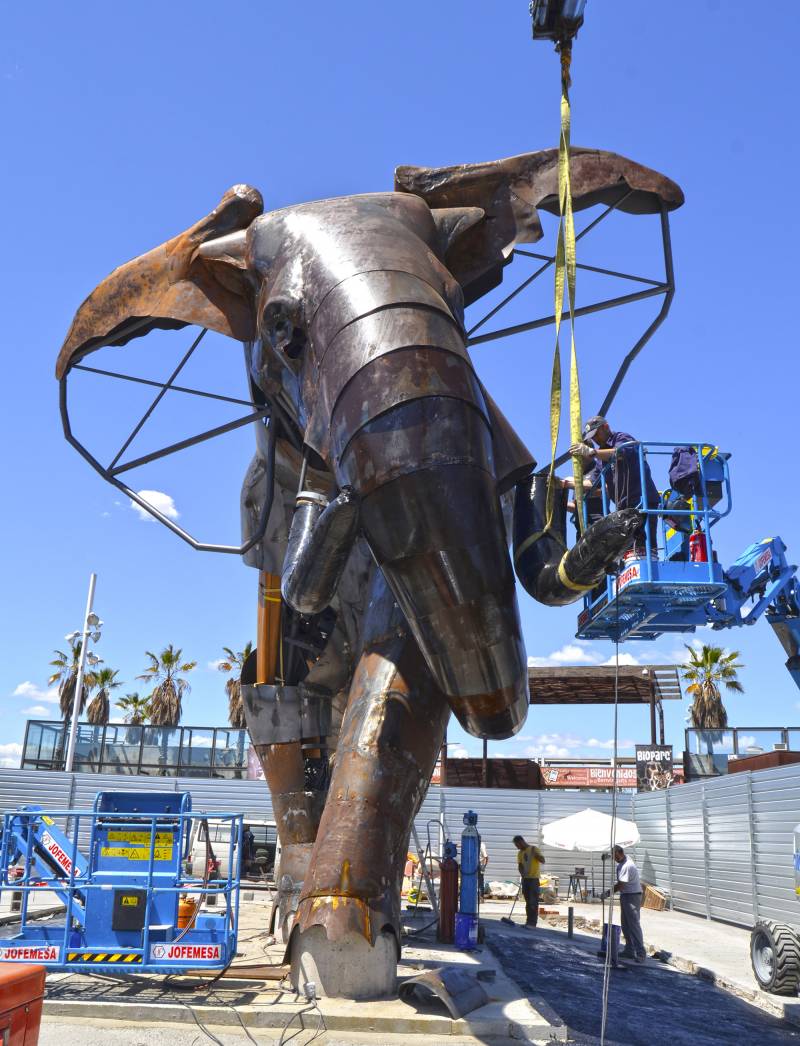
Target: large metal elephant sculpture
x=385, y=461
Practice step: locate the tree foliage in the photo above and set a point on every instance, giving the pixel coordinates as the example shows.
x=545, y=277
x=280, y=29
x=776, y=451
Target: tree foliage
x=233, y=688
x=66, y=675
x=104, y=681
x=166, y=698
x=704, y=671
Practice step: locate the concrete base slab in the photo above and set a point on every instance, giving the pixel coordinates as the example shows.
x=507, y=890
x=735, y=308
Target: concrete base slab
x=231, y=1003
x=59, y=1031
x=349, y=968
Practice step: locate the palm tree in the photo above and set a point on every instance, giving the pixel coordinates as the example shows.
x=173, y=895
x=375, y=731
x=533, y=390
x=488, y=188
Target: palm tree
x=104, y=681
x=66, y=675
x=167, y=694
x=705, y=669
x=233, y=688
x=135, y=709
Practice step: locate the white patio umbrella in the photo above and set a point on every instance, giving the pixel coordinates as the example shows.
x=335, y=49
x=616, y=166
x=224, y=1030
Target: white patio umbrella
x=589, y=832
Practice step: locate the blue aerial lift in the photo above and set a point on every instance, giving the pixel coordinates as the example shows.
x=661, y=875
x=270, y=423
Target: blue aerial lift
x=122, y=900
x=680, y=584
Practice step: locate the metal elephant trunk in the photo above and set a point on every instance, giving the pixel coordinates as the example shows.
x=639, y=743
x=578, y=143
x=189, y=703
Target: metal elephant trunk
x=395, y=408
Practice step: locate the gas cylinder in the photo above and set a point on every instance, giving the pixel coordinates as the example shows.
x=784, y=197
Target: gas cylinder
x=470, y=860
x=448, y=893
x=186, y=910
x=698, y=549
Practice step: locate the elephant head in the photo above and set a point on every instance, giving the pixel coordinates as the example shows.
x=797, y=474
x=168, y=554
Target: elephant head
x=352, y=311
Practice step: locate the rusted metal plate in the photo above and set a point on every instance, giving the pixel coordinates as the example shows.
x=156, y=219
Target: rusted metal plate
x=400, y=377
x=169, y=287
x=281, y=714
x=459, y=990
x=382, y=768
x=512, y=191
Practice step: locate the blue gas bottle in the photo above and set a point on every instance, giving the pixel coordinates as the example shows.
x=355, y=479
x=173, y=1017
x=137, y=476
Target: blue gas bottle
x=470, y=861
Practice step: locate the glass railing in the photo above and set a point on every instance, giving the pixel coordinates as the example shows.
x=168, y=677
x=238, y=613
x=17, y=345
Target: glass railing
x=158, y=751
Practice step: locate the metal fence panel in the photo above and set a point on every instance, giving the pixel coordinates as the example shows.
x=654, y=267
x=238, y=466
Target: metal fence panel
x=722, y=848
x=686, y=841
x=728, y=843
x=504, y=813
x=650, y=815
x=776, y=812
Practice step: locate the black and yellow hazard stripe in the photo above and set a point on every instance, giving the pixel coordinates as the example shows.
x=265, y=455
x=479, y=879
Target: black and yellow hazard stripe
x=117, y=957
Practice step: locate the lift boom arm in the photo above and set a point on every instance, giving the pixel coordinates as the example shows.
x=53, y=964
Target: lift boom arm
x=763, y=574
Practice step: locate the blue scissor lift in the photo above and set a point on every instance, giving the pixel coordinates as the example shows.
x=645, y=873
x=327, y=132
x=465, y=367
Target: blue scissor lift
x=122, y=899
x=662, y=590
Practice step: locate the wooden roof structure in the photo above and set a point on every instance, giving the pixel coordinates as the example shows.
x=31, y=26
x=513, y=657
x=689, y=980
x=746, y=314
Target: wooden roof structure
x=595, y=685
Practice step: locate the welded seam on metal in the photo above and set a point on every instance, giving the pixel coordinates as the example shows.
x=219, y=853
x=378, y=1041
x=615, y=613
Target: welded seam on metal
x=550, y=261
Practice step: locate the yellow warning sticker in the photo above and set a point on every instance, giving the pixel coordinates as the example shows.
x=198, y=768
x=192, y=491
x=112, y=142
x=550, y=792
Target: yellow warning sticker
x=137, y=853
x=131, y=901
x=47, y=820
x=140, y=838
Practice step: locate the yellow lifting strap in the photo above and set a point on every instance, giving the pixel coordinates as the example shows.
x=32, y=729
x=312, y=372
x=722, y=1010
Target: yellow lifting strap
x=565, y=267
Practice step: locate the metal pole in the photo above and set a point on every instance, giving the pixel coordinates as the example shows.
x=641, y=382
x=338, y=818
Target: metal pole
x=76, y=702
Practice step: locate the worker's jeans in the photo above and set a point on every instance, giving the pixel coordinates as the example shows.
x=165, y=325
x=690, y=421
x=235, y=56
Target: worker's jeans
x=530, y=891
x=629, y=906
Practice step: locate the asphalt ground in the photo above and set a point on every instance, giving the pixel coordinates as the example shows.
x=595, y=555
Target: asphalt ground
x=647, y=1004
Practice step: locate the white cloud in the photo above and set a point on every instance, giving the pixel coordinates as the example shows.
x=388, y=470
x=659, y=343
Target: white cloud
x=38, y=710
x=570, y=654
x=624, y=659
x=457, y=752
x=159, y=500
x=213, y=666
x=34, y=693
x=10, y=755
x=563, y=745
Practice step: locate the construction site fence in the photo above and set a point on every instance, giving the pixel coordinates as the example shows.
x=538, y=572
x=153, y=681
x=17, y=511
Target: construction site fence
x=723, y=848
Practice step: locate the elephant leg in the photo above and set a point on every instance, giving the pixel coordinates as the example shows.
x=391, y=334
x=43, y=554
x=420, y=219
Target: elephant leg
x=346, y=932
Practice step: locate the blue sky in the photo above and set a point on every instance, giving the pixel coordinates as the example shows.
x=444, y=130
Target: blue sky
x=123, y=124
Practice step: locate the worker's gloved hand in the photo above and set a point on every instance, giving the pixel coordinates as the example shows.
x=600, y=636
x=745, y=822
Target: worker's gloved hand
x=581, y=450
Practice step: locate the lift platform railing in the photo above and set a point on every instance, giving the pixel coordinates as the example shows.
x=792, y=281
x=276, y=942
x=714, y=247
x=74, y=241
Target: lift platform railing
x=703, y=506
x=662, y=569
x=143, y=857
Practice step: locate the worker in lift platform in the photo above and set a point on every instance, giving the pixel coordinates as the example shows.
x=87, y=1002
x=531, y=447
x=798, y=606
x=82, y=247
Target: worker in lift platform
x=601, y=447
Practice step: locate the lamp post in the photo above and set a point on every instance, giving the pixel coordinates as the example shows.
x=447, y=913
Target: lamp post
x=91, y=627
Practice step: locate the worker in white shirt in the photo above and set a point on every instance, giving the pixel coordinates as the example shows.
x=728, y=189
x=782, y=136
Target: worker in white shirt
x=629, y=888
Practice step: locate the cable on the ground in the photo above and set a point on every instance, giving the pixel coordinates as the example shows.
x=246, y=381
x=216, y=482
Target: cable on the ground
x=313, y=1005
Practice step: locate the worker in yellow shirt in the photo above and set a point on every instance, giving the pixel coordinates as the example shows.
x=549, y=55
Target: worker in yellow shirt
x=529, y=862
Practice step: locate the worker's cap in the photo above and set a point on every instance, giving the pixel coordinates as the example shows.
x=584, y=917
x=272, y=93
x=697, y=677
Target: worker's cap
x=592, y=425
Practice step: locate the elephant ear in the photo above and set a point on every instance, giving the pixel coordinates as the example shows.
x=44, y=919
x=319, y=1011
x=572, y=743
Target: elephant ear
x=511, y=192
x=173, y=286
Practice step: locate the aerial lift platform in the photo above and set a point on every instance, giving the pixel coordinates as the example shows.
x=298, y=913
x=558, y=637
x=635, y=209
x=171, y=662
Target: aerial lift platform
x=120, y=870
x=680, y=584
